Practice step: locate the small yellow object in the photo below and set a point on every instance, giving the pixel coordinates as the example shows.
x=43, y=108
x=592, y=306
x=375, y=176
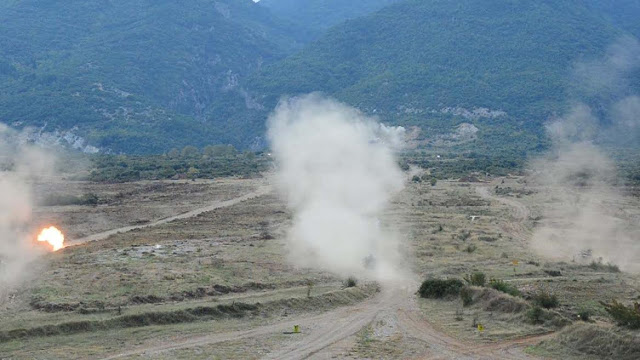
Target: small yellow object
x=296, y=329
x=480, y=327
x=515, y=262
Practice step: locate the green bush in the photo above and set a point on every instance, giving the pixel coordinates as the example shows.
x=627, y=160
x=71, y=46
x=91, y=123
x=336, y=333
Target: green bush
x=546, y=300
x=438, y=288
x=535, y=315
x=504, y=287
x=584, y=315
x=350, y=282
x=608, y=267
x=476, y=279
x=627, y=316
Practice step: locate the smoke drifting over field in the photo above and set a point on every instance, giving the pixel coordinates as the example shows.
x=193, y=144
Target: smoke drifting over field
x=586, y=217
x=337, y=170
x=18, y=165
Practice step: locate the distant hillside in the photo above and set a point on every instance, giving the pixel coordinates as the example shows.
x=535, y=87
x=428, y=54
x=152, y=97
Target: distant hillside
x=136, y=75
x=501, y=65
x=323, y=14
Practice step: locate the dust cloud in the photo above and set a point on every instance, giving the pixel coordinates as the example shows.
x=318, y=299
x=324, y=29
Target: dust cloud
x=20, y=164
x=337, y=170
x=586, y=220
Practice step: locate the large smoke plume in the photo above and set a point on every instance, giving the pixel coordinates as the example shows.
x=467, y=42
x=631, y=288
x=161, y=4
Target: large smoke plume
x=587, y=218
x=20, y=164
x=338, y=171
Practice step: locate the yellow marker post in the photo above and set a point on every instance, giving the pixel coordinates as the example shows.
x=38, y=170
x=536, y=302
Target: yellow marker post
x=515, y=264
x=480, y=327
x=296, y=329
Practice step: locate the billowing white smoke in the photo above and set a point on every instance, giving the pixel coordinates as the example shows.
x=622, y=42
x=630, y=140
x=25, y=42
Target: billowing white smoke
x=586, y=215
x=338, y=172
x=19, y=165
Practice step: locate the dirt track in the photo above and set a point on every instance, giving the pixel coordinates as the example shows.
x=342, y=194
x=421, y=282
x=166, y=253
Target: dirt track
x=216, y=205
x=321, y=334
x=328, y=335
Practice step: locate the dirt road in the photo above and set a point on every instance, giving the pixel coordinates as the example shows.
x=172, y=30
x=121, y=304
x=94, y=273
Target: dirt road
x=332, y=334
x=322, y=335
x=263, y=190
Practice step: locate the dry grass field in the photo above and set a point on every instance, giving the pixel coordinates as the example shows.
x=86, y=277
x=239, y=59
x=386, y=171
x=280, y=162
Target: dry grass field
x=199, y=270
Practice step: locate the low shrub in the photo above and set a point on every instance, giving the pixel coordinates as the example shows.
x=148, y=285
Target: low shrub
x=627, y=316
x=535, y=315
x=504, y=287
x=438, y=288
x=584, y=315
x=608, y=267
x=350, y=282
x=546, y=300
x=553, y=273
x=66, y=200
x=476, y=279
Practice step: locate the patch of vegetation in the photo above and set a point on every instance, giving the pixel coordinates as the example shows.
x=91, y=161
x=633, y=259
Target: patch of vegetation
x=496, y=301
x=584, y=315
x=487, y=238
x=350, y=282
x=438, y=288
x=476, y=279
x=471, y=248
x=66, y=200
x=608, y=267
x=627, y=316
x=553, y=273
x=464, y=235
x=535, y=315
x=504, y=287
x=546, y=299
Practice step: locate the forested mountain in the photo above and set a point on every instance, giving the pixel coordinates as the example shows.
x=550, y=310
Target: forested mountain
x=502, y=65
x=145, y=76
x=135, y=75
x=322, y=14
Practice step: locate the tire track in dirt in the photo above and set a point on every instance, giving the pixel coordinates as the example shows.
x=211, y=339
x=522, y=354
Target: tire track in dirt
x=263, y=190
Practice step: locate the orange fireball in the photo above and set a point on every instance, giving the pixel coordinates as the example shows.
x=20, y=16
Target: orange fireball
x=53, y=236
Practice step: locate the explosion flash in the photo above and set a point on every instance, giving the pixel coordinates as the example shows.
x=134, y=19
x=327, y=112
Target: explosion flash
x=53, y=236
